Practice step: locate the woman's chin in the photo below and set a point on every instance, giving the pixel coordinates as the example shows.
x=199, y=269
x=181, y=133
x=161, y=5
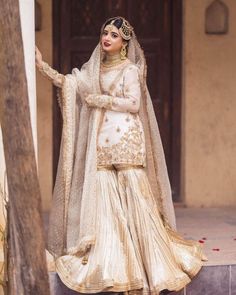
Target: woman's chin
x=106, y=50
x=109, y=51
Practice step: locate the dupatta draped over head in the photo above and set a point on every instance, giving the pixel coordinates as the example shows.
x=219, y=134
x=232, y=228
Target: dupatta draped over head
x=72, y=228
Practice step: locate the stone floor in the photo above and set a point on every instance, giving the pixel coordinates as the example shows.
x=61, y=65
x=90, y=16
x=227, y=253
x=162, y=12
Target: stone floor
x=215, y=228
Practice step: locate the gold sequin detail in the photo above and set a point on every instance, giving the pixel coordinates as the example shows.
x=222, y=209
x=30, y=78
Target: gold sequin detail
x=118, y=129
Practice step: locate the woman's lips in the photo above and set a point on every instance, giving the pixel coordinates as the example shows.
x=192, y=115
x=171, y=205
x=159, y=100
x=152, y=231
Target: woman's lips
x=106, y=44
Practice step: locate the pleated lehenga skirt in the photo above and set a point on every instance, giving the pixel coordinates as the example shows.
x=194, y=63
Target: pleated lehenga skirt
x=133, y=251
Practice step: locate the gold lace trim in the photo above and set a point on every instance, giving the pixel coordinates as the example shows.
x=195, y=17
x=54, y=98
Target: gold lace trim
x=102, y=101
x=118, y=167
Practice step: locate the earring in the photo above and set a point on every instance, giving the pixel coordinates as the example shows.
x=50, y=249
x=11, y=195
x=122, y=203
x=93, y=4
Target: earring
x=123, y=52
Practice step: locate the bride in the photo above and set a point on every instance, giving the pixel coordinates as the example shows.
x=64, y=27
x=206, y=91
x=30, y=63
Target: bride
x=112, y=224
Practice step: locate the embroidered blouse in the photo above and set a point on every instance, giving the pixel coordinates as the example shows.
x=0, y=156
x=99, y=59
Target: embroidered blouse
x=121, y=136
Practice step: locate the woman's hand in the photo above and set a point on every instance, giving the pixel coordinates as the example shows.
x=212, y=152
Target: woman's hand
x=38, y=57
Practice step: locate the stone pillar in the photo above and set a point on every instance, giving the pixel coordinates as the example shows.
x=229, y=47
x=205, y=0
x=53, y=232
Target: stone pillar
x=28, y=34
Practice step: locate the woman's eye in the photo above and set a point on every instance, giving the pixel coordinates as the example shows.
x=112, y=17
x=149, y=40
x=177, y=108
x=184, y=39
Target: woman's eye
x=114, y=35
x=104, y=33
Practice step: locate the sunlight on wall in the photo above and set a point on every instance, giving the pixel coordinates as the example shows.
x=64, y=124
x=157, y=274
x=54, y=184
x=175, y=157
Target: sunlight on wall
x=209, y=109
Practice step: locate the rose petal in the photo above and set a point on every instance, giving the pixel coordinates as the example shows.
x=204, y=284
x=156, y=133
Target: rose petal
x=215, y=249
x=201, y=241
x=204, y=238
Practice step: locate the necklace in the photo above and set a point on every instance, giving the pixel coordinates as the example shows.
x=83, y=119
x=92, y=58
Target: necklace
x=112, y=60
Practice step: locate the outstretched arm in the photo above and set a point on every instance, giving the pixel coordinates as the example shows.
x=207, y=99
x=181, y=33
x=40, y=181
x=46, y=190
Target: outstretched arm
x=53, y=75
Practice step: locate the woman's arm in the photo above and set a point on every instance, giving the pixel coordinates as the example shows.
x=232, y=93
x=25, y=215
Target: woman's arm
x=53, y=75
x=132, y=95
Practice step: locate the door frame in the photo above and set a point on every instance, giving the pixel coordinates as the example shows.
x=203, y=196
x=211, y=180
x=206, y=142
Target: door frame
x=176, y=92
x=176, y=78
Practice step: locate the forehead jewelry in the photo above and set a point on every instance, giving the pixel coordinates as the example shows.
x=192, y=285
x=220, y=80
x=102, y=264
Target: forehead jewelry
x=110, y=27
x=125, y=30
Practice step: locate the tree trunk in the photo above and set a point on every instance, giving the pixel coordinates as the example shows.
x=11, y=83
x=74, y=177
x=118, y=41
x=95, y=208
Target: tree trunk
x=27, y=247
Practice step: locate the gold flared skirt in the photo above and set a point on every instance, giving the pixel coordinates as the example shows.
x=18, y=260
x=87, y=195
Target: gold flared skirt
x=133, y=252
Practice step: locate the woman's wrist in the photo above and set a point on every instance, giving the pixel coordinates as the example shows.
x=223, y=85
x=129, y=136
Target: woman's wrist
x=39, y=65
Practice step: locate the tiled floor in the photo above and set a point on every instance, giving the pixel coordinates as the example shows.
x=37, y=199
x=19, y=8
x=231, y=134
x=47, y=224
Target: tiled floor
x=215, y=227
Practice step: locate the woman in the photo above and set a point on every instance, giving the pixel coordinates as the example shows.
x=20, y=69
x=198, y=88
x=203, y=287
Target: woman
x=112, y=225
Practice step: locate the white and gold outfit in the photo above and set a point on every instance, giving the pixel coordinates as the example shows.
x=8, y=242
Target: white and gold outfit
x=121, y=136
x=112, y=226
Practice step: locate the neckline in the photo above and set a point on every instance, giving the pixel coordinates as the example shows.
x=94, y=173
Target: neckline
x=104, y=68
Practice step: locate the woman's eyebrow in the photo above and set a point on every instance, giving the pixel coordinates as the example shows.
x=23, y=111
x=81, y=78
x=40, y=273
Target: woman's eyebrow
x=106, y=31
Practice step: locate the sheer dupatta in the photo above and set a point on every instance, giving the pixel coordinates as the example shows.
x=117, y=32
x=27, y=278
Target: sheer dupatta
x=72, y=219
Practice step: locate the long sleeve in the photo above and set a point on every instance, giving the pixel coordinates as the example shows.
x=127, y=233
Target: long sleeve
x=53, y=75
x=130, y=102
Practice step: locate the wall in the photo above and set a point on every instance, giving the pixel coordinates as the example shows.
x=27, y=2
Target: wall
x=44, y=107
x=209, y=110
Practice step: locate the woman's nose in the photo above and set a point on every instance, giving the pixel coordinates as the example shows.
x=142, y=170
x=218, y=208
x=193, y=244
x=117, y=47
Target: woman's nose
x=107, y=37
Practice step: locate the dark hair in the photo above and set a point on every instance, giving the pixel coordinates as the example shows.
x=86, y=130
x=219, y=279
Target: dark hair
x=117, y=23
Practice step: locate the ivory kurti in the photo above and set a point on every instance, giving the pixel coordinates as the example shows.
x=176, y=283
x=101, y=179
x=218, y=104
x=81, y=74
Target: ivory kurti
x=134, y=251
x=121, y=137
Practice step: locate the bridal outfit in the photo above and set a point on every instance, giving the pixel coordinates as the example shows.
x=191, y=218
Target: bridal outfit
x=112, y=226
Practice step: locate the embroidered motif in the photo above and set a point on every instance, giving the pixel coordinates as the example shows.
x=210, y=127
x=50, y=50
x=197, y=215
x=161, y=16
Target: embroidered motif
x=50, y=73
x=102, y=101
x=129, y=150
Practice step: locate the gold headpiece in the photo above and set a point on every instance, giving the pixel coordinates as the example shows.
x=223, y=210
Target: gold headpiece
x=125, y=30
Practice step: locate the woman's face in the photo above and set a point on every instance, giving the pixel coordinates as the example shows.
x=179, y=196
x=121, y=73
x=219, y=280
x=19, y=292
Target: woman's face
x=111, y=40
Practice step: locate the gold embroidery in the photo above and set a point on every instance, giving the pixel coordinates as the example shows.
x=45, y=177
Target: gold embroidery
x=50, y=73
x=129, y=150
x=118, y=129
x=102, y=101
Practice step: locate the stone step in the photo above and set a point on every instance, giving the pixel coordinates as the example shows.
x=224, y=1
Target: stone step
x=58, y=288
x=211, y=280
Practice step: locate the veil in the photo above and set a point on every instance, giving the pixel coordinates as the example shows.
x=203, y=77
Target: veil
x=72, y=227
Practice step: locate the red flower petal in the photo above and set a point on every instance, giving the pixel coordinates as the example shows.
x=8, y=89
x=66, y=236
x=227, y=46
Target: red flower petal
x=215, y=249
x=201, y=241
x=204, y=238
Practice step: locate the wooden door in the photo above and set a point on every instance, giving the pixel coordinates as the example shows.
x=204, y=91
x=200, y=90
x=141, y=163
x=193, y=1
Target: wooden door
x=157, y=24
